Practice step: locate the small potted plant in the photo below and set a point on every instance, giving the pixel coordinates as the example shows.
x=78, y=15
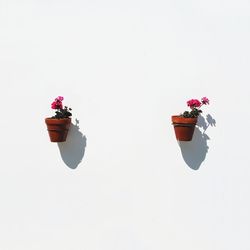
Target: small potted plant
x=58, y=125
x=184, y=124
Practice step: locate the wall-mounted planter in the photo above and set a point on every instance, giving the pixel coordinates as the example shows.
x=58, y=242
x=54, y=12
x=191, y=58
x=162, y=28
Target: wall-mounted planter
x=184, y=127
x=58, y=128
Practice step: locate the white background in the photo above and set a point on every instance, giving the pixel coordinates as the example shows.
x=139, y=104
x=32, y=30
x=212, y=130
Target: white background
x=121, y=181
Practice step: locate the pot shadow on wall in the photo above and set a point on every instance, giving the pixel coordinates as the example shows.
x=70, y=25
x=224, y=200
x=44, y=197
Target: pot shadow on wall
x=72, y=151
x=195, y=151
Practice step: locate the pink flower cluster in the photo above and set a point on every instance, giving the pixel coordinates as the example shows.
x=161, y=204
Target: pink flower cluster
x=57, y=104
x=204, y=100
x=194, y=103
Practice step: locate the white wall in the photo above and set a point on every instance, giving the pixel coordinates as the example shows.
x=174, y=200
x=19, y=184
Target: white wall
x=124, y=67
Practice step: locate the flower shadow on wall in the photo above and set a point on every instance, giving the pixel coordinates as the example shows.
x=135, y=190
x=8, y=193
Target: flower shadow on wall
x=72, y=151
x=195, y=151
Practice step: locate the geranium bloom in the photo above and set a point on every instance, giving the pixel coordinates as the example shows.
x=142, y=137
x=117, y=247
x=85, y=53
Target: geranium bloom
x=195, y=106
x=59, y=98
x=56, y=105
x=60, y=110
x=204, y=100
x=194, y=103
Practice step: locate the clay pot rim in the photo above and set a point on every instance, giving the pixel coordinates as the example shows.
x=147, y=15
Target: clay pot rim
x=180, y=119
x=57, y=120
x=51, y=118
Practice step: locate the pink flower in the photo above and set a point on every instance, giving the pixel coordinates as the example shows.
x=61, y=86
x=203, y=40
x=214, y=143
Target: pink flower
x=194, y=103
x=56, y=105
x=53, y=105
x=204, y=100
x=59, y=98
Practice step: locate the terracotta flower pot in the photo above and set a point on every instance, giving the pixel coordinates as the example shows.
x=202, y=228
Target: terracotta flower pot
x=184, y=127
x=58, y=128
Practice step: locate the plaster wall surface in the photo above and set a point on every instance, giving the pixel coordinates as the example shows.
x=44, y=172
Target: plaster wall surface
x=121, y=181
